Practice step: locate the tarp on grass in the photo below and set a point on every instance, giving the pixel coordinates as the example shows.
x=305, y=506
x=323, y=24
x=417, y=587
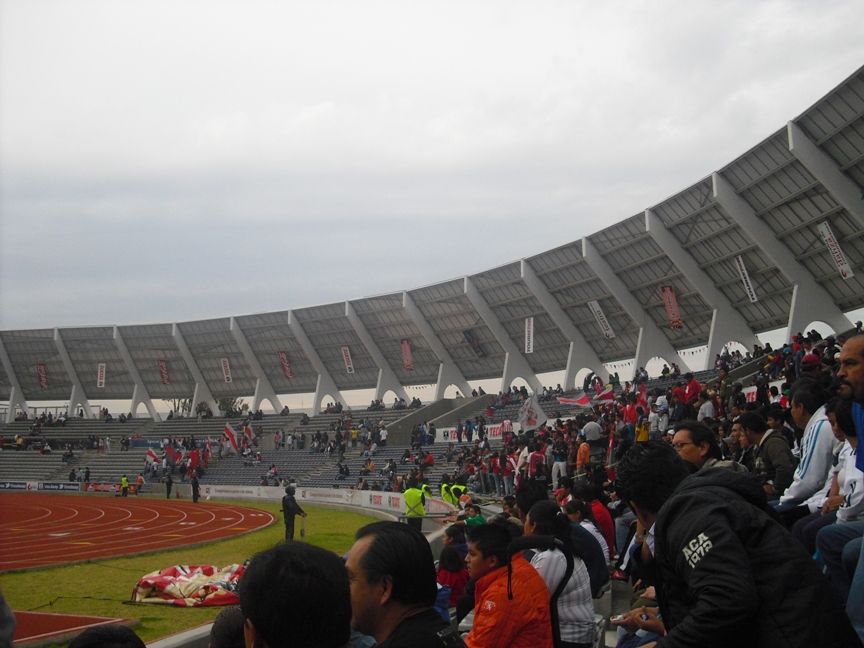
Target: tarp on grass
x=190, y=586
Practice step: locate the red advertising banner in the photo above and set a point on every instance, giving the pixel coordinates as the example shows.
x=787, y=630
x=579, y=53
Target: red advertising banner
x=670, y=301
x=346, y=357
x=286, y=366
x=407, y=354
x=100, y=375
x=226, y=370
x=42, y=374
x=164, y=376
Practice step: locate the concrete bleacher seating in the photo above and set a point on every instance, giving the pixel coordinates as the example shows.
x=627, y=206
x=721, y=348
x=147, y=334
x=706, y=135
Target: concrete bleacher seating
x=30, y=465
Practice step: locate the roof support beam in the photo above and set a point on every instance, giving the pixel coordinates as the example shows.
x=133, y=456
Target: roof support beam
x=515, y=364
x=78, y=396
x=581, y=354
x=387, y=380
x=652, y=341
x=809, y=299
x=448, y=371
x=139, y=391
x=16, y=394
x=726, y=323
x=325, y=384
x=825, y=170
x=202, y=393
x=263, y=389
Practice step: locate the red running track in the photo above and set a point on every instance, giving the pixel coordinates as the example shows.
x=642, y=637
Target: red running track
x=37, y=530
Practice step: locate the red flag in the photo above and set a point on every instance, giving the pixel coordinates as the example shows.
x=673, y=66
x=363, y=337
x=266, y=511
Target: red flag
x=248, y=432
x=606, y=394
x=582, y=401
x=170, y=454
x=642, y=398
x=232, y=439
x=287, y=371
x=151, y=456
x=407, y=355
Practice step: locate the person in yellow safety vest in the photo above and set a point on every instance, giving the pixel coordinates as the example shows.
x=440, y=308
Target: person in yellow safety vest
x=415, y=509
x=447, y=496
x=124, y=486
x=456, y=492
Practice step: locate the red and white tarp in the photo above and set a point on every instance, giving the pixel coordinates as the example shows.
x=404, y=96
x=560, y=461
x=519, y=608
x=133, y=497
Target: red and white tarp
x=287, y=371
x=164, y=376
x=407, y=354
x=190, y=586
x=673, y=312
x=226, y=369
x=42, y=375
x=346, y=358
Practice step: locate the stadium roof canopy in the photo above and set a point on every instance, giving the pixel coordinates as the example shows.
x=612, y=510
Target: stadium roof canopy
x=775, y=238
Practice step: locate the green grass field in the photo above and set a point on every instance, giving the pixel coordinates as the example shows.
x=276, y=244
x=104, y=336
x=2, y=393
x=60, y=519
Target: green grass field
x=104, y=587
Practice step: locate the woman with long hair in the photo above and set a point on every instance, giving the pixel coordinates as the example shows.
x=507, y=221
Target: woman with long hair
x=575, y=605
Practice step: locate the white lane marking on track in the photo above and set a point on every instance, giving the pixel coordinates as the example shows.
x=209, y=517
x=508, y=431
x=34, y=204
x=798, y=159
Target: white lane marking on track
x=59, y=535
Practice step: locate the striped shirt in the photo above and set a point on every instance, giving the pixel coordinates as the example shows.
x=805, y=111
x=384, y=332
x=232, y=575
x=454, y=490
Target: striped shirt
x=575, y=606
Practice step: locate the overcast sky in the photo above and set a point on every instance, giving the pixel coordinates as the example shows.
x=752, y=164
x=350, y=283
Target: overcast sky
x=167, y=161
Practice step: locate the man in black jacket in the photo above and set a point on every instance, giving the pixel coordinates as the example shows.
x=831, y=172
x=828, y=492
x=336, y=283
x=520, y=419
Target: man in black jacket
x=727, y=573
x=290, y=508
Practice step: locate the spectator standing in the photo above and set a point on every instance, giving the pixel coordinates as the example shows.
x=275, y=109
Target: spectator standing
x=290, y=508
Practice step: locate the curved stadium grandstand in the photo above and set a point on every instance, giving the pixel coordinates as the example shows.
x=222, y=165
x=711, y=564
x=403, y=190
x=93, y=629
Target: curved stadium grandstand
x=667, y=298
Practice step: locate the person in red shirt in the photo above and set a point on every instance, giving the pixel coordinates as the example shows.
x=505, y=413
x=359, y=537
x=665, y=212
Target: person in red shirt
x=452, y=572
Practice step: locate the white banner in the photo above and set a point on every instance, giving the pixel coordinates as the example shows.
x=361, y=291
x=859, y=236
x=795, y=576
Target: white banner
x=100, y=375
x=745, y=279
x=226, y=370
x=835, y=251
x=346, y=357
x=602, y=322
x=529, y=335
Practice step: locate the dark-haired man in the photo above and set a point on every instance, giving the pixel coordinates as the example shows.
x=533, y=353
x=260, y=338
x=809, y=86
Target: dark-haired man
x=394, y=586
x=696, y=444
x=816, y=452
x=295, y=596
x=727, y=573
x=772, y=458
x=511, y=600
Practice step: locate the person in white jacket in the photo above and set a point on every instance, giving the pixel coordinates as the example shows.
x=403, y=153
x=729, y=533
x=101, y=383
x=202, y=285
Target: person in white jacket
x=817, y=452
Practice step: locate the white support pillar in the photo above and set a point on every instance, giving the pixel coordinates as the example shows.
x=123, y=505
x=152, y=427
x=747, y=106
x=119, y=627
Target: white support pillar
x=263, y=389
x=16, y=394
x=387, y=379
x=652, y=341
x=825, y=170
x=580, y=354
x=809, y=300
x=515, y=364
x=448, y=372
x=202, y=390
x=78, y=395
x=139, y=391
x=325, y=383
x=726, y=323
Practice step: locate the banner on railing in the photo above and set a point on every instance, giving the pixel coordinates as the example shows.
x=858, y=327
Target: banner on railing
x=59, y=486
x=286, y=365
x=42, y=374
x=529, y=335
x=15, y=485
x=164, y=376
x=346, y=358
x=600, y=317
x=226, y=369
x=835, y=250
x=407, y=354
x=100, y=375
x=745, y=279
x=670, y=301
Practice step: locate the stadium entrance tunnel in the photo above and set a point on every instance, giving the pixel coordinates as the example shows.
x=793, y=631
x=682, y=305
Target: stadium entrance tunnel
x=654, y=367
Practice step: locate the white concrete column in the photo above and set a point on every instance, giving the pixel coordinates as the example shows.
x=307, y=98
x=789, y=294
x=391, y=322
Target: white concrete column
x=387, y=379
x=825, y=170
x=652, y=341
x=202, y=390
x=809, y=300
x=580, y=354
x=140, y=394
x=16, y=394
x=325, y=383
x=263, y=388
x=448, y=372
x=78, y=395
x=515, y=364
x=726, y=323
